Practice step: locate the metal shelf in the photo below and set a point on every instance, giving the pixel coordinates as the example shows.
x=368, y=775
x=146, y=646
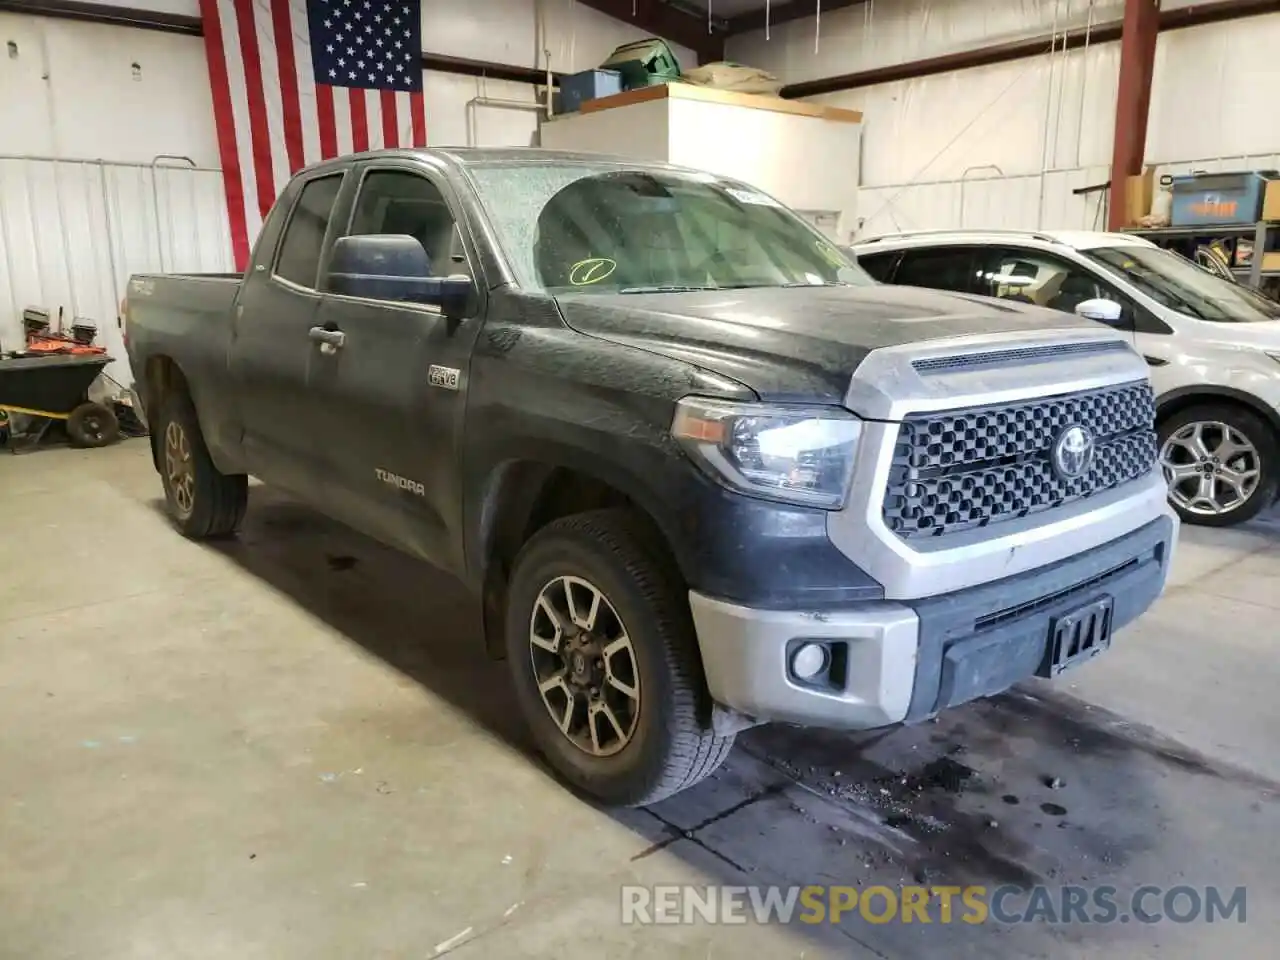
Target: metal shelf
x=1209, y=230
x=1252, y=275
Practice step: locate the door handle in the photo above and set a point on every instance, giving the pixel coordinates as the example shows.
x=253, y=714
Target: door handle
x=333, y=339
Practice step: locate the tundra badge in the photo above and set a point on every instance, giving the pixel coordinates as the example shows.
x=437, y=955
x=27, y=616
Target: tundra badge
x=446, y=377
x=403, y=483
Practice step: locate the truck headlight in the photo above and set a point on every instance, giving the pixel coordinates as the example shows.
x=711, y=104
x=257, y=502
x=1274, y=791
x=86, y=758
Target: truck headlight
x=800, y=455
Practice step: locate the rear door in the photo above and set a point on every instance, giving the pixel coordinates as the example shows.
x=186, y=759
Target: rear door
x=392, y=397
x=271, y=350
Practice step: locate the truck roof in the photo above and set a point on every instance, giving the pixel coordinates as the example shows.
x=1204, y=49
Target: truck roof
x=466, y=156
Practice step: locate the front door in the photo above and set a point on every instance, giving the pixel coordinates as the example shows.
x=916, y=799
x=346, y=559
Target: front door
x=272, y=351
x=1047, y=280
x=393, y=394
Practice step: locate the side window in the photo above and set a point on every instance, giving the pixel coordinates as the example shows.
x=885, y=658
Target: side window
x=396, y=201
x=879, y=265
x=939, y=268
x=1030, y=276
x=299, y=257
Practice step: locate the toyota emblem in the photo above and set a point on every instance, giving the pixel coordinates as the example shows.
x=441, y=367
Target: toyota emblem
x=1072, y=452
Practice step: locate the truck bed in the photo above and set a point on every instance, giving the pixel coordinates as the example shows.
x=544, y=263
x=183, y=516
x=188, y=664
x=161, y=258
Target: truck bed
x=185, y=318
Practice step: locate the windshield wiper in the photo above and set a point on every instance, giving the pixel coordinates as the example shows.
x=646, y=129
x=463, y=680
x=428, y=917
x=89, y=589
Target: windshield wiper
x=672, y=288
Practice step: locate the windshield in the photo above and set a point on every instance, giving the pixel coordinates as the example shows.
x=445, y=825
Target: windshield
x=604, y=228
x=1179, y=284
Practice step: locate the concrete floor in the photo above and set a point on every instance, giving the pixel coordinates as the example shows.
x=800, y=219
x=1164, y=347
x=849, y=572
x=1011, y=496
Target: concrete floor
x=292, y=746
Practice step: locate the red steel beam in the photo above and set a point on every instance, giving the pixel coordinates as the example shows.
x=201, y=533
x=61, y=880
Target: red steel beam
x=1133, y=100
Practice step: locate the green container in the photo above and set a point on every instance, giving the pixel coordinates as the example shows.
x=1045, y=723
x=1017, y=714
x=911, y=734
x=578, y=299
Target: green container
x=645, y=63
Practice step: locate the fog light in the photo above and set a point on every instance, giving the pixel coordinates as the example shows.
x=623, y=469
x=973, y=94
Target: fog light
x=810, y=660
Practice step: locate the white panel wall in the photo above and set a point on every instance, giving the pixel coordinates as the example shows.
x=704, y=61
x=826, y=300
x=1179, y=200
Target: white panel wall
x=886, y=32
x=1005, y=145
x=72, y=232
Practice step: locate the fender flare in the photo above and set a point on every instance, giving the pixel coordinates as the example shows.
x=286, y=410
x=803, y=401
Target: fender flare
x=1181, y=397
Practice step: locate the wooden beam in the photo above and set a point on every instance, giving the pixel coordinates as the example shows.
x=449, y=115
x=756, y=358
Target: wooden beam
x=752, y=101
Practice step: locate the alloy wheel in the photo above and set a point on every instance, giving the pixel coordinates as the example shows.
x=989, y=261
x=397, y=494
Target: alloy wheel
x=179, y=468
x=585, y=666
x=1211, y=467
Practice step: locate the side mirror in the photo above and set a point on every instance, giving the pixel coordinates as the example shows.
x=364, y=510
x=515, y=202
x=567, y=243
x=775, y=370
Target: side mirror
x=1103, y=310
x=395, y=267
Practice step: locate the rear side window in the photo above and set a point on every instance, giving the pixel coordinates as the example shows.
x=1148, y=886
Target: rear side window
x=299, y=258
x=879, y=265
x=939, y=268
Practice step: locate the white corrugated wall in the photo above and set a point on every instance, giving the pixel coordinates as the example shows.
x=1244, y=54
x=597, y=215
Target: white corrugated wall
x=72, y=231
x=1006, y=145
x=73, y=226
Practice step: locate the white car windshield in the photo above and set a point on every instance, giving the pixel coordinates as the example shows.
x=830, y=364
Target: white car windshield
x=1181, y=285
x=609, y=228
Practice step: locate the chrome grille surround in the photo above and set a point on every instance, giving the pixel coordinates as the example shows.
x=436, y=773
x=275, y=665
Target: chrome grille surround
x=967, y=468
x=887, y=387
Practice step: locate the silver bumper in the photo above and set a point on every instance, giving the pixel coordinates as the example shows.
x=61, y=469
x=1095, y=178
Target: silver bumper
x=744, y=654
x=904, y=661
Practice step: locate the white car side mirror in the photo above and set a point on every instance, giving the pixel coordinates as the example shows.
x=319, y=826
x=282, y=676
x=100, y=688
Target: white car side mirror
x=1107, y=311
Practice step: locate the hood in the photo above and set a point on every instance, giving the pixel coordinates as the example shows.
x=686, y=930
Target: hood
x=1255, y=335
x=797, y=343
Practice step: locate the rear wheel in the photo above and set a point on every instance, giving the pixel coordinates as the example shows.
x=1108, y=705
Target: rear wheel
x=605, y=663
x=202, y=501
x=93, y=425
x=1222, y=464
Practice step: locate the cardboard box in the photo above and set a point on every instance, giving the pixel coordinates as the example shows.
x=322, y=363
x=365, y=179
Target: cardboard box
x=1271, y=261
x=1271, y=201
x=1138, y=194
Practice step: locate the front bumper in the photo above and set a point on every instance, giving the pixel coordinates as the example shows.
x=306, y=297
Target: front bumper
x=904, y=661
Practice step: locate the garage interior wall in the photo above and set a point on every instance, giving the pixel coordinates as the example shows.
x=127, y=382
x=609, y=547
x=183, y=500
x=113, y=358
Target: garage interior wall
x=109, y=156
x=1004, y=146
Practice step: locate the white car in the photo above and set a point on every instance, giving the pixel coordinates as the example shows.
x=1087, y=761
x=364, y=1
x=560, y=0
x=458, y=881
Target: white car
x=1212, y=346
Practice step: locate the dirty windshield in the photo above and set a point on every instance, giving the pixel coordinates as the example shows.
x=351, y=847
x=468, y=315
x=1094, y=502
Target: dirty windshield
x=607, y=228
x=1181, y=285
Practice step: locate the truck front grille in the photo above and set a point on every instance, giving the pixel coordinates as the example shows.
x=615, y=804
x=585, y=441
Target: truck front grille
x=961, y=469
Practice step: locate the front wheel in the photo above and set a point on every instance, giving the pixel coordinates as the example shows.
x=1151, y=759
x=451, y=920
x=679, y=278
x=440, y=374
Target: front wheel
x=1222, y=464
x=606, y=667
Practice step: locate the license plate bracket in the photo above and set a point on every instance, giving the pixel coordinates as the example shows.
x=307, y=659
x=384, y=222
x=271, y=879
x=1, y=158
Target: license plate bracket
x=1078, y=636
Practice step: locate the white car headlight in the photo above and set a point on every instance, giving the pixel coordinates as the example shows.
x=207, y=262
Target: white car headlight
x=800, y=455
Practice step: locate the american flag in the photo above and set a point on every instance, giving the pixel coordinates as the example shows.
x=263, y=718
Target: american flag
x=298, y=81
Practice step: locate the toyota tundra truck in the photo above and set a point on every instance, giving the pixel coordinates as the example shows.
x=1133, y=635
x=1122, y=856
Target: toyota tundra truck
x=701, y=472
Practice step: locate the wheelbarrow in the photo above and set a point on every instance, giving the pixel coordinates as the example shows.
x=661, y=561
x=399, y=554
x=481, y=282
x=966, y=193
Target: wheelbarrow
x=54, y=388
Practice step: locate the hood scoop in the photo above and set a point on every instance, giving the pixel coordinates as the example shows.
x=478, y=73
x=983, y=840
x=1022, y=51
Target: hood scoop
x=959, y=362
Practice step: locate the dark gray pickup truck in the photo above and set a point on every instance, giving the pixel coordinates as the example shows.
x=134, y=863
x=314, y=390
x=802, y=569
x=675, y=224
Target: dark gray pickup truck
x=702, y=473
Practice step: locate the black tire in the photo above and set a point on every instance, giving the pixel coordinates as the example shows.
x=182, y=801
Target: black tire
x=93, y=425
x=672, y=747
x=217, y=500
x=1257, y=432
